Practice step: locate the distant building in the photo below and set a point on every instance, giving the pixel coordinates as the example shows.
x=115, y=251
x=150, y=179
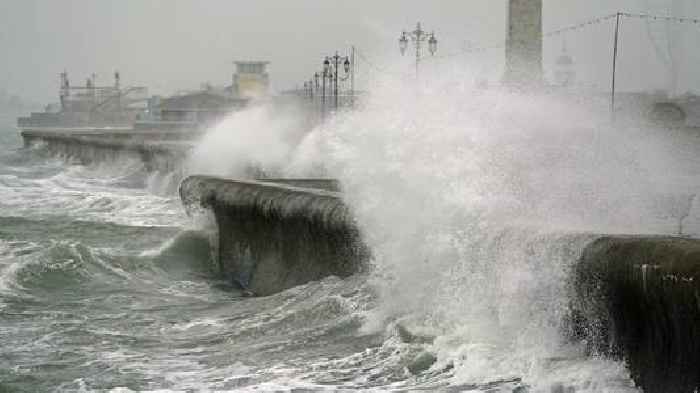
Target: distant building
x=202, y=107
x=251, y=79
x=90, y=106
x=211, y=103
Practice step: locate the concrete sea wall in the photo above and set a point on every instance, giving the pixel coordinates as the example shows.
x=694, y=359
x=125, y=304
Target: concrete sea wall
x=158, y=152
x=635, y=298
x=639, y=300
x=274, y=236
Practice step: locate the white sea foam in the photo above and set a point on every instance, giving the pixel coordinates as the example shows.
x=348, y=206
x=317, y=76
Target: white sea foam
x=162, y=183
x=11, y=262
x=476, y=204
x=91, y=193
x=471, y=201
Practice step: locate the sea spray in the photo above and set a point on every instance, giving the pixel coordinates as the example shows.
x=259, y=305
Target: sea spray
x=476, y=203
x=254, y=142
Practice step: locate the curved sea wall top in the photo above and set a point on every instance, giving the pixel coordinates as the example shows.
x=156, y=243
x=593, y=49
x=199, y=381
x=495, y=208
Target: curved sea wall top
x=281, y=198
x=275, y=236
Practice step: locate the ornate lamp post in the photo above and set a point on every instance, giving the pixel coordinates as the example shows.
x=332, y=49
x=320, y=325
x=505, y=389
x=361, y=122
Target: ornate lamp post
x=325, y=75
x=316, y=86
x=418, y=36
x=331, y=71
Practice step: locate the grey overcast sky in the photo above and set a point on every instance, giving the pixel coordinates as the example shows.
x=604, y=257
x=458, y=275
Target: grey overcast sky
x=170, y=45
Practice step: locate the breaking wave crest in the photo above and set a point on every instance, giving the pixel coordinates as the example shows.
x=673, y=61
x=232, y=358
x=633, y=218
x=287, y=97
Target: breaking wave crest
x=120, y=191
x=477, y=203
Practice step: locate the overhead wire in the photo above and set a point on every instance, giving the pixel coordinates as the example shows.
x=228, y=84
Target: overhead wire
x=563, y=30
x=576, y=27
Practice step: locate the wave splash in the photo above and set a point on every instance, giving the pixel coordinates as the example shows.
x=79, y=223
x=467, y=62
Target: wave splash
x=476, y=203
x=122, y=191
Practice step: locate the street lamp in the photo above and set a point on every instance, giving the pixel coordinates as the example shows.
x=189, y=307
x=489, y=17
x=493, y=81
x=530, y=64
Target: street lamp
x=309, y=89
x=331, y=71
x=326, y=76
x=418, y=36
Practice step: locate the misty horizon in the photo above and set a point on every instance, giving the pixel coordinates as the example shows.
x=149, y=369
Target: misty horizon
x=176, y=46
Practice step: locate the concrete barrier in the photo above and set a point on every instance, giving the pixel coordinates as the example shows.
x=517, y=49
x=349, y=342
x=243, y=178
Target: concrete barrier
x=274, y=236
x=638, y=298
x=635, y=298
x=91, y=146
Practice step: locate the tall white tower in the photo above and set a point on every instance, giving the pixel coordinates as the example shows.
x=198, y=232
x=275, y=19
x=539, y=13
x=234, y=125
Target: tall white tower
x=668, y=38
x=524, y=43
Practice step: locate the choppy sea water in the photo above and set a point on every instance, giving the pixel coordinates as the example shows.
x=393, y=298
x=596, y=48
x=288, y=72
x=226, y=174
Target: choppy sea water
x=105, y=286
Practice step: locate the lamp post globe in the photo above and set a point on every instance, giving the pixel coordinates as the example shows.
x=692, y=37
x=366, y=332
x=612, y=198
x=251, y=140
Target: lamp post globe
x=403, y=43
x=418, y=38
x=332, y=72
x=432, y=44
